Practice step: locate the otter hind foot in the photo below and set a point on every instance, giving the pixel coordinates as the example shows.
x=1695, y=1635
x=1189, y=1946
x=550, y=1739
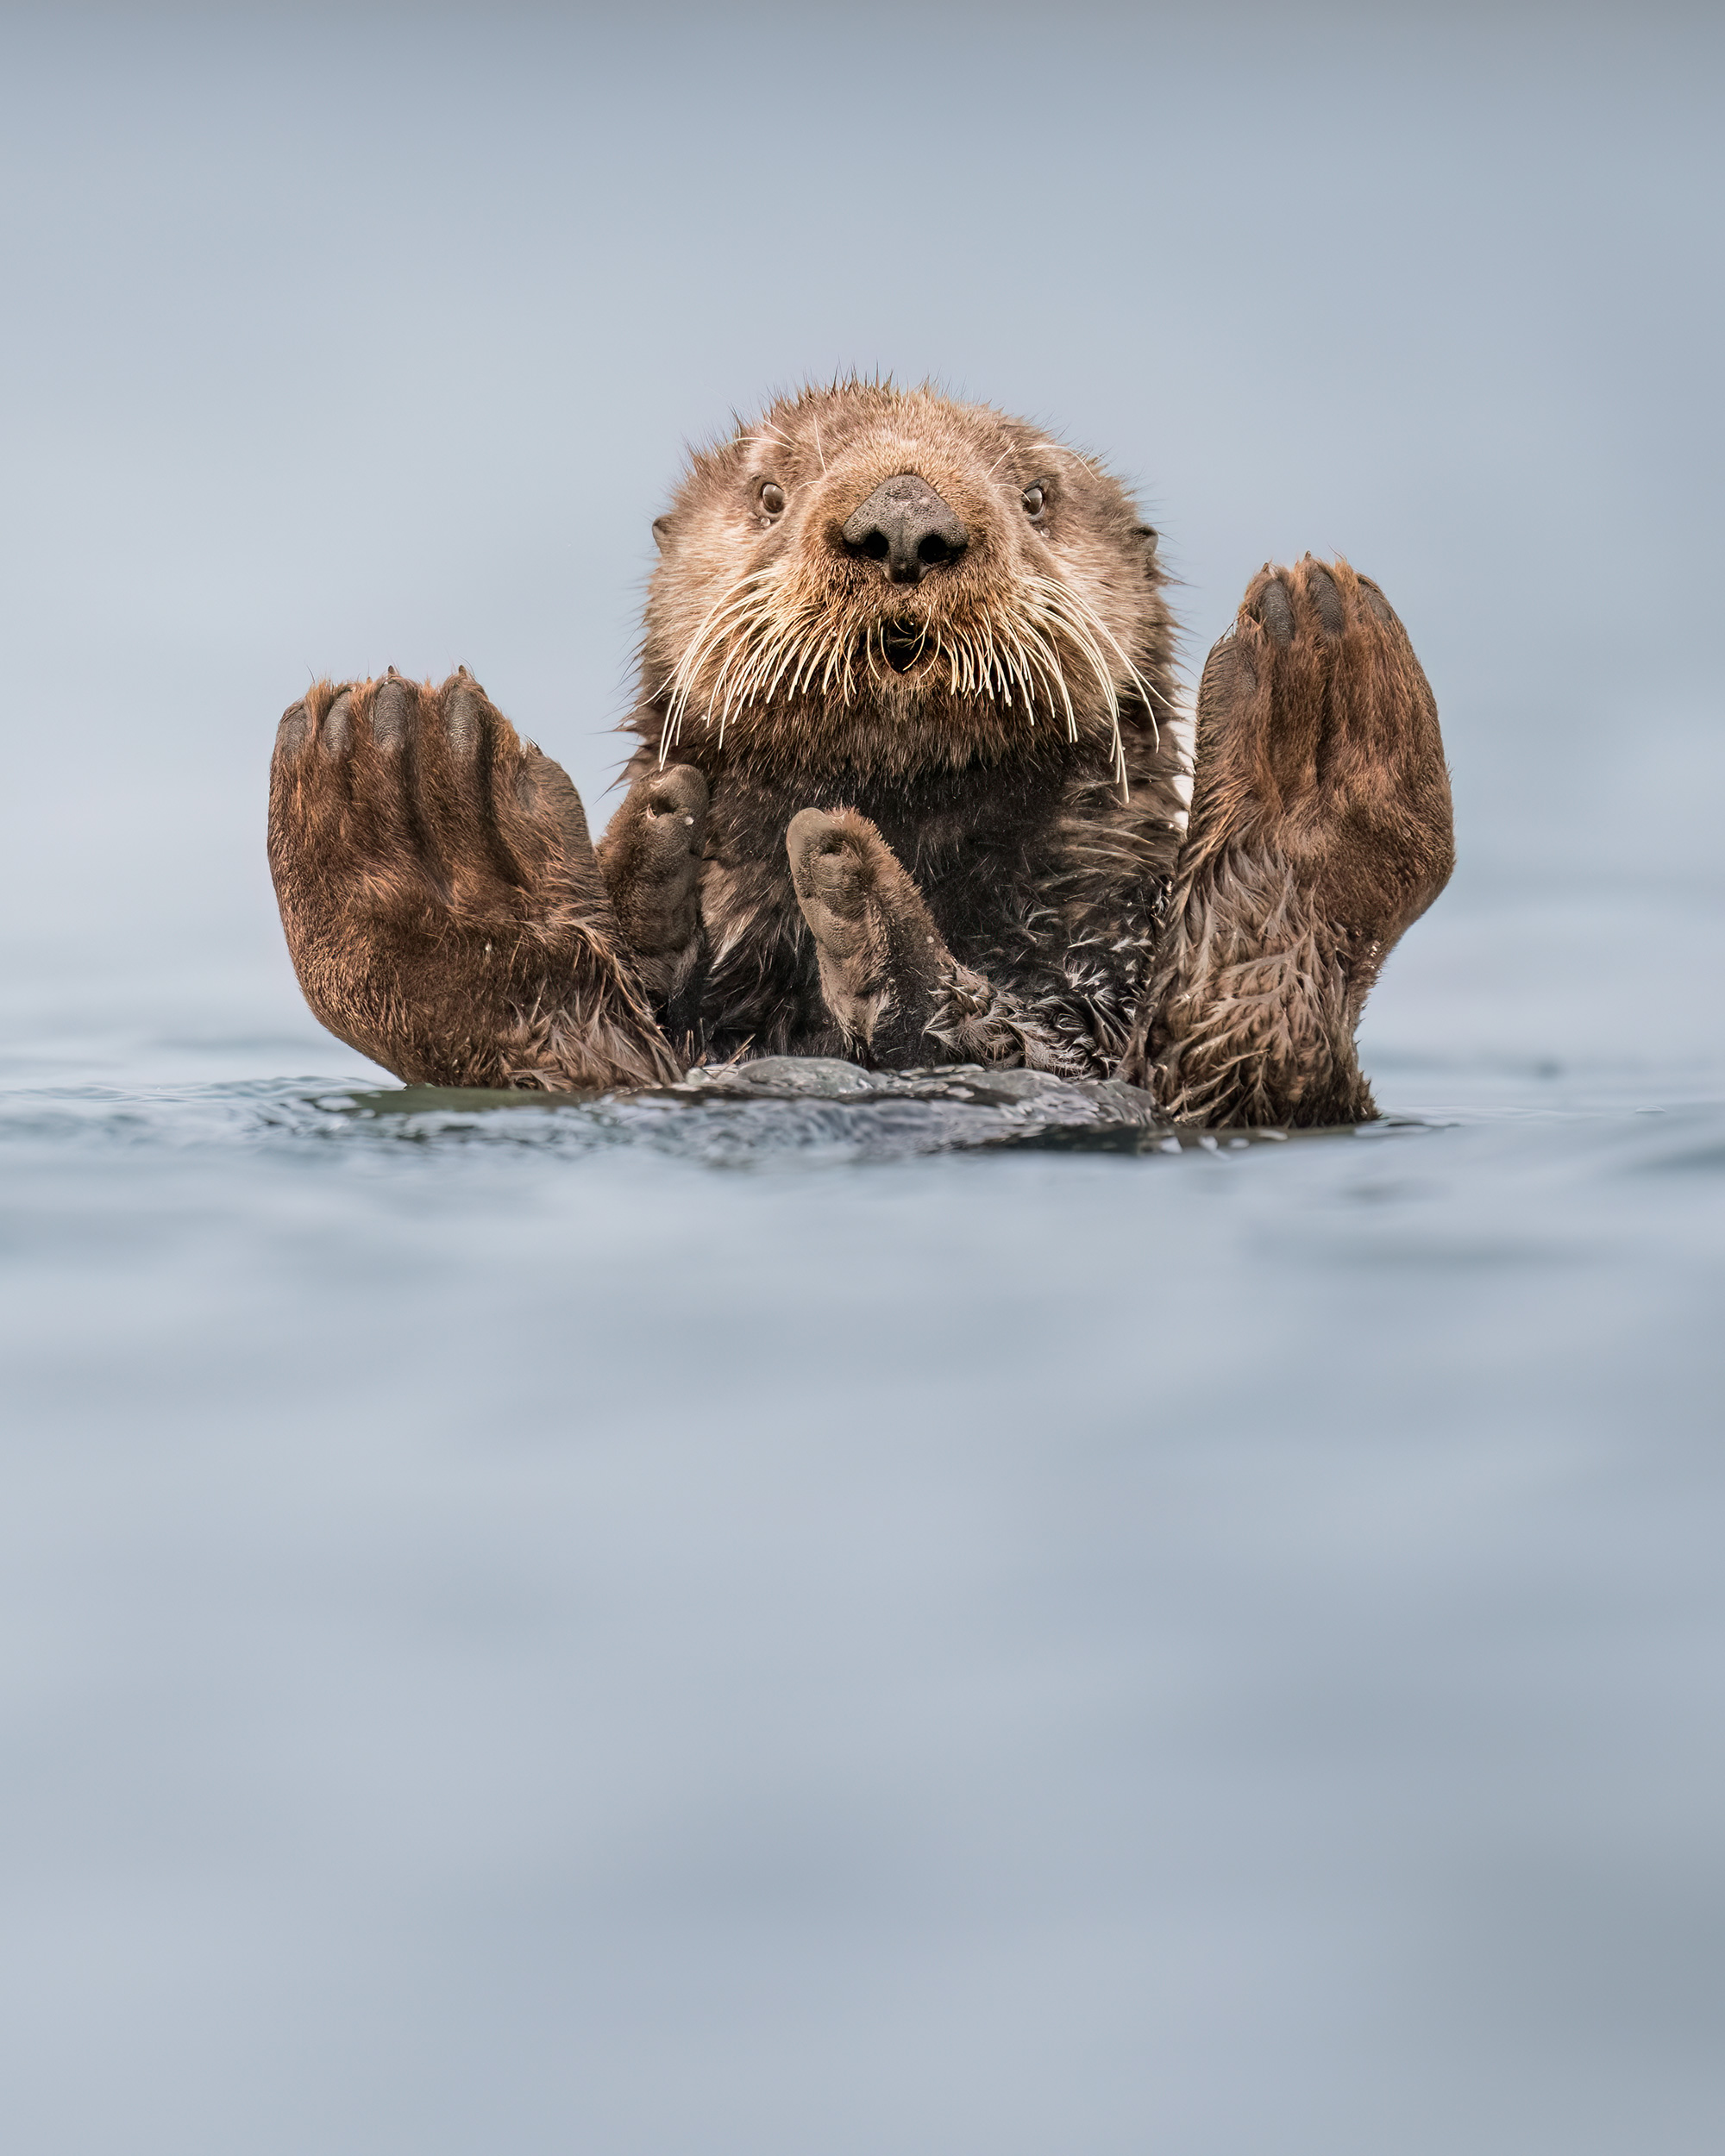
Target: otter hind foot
x=443, y=904
x=1321, y=733
x=1319, y=829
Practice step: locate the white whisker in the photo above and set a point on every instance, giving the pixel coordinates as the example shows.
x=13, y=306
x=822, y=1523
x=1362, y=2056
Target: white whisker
x=768, y=642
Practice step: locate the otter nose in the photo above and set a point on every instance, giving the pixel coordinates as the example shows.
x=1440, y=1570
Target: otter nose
x=905, y=524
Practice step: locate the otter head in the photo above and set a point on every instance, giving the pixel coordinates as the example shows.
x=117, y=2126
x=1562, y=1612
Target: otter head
x=871, y=579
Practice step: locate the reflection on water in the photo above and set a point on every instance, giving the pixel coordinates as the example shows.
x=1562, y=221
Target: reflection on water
x=994, y=1631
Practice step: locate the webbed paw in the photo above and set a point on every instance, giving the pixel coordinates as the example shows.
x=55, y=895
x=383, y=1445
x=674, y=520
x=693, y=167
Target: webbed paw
x=1319, y=829
x=442, y=904
x=1318, y=743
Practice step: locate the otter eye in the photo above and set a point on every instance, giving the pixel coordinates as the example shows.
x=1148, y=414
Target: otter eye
x=1032, y=501
x=771, y=498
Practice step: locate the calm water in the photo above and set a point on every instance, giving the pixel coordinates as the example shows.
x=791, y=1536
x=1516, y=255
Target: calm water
x=714, y=1628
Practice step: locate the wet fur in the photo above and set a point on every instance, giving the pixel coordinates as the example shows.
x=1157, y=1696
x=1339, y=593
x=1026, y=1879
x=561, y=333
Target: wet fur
x=1031, y=795
x=1321, y=828
x=443, y=904
x=988, y=854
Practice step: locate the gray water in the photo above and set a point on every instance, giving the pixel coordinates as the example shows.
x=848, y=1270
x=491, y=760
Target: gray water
x=866, y=1624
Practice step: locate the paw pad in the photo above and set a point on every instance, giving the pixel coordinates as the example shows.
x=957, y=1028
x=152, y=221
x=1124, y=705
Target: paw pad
x=1274, y=611
x=392, y=708
x=332, y=737
x=1321, y=586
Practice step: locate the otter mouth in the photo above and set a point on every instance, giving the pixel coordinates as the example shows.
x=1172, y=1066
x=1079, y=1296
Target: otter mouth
x=904, y=642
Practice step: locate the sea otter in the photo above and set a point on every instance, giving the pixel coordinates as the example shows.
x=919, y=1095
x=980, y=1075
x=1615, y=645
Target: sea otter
x=909, y=789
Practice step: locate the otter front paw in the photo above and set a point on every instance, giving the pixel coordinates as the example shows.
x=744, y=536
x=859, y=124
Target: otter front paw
x=443, y=904
x=651, y=858
x=881, y=955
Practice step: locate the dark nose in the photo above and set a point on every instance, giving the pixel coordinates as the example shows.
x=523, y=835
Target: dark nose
x=905, y=524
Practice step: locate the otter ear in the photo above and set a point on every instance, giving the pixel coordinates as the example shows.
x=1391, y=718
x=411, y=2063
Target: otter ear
x=1147, y=533
x=661, y=532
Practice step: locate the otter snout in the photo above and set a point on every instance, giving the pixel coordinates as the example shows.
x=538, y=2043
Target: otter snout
x=906, y=524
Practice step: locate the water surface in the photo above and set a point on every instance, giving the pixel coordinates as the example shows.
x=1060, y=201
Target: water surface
x=773, y=1626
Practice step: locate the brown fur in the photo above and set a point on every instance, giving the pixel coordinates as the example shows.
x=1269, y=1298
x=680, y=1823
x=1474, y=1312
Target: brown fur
x=443, y=904
x=902, y=820
x=1321, y=829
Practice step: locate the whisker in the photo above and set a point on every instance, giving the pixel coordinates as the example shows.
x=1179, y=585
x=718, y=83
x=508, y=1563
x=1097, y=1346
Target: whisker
x=767, y=642
x=1066, y=608
x=719, y=628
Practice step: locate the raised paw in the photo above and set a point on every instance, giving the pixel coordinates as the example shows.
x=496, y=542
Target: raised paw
x=442, y=904
x=882, y=958
x=651, y=859
x=1318, y=743
x=1319, y=829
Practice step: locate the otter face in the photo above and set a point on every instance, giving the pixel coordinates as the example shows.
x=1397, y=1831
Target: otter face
x=885, y=576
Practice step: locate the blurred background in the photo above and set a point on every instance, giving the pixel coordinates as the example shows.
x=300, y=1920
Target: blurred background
x=515, y=1641
x=347, y=338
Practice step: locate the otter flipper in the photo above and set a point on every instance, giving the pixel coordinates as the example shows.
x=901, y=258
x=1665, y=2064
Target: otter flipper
x=1321, y=830
x=444, y=906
